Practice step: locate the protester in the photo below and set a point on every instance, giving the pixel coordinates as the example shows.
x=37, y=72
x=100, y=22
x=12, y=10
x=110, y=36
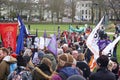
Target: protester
x=115, y=68
x=102, y=71
x=5, y=62
x=81, y=64
x=22, y=71
x=75, y=54
x=43, y=71
x=65, y=68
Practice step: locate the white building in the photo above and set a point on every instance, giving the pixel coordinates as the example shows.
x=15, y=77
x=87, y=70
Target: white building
x=83, y=10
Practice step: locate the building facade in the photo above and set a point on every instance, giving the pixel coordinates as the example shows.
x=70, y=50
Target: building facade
x=83, y=10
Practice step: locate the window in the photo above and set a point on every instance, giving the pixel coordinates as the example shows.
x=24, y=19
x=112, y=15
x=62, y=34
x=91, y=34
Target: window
x=82, y=11
x=82, y=5
x=86, y=11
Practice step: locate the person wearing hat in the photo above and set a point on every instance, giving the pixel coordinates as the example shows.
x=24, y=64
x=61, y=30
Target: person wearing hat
x=65, y=69
x=115, y=68
x=102, y=71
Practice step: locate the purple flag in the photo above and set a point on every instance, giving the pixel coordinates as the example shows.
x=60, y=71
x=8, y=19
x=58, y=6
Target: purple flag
x=52, y=46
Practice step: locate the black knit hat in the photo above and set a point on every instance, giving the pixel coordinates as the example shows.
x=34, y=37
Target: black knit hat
x=102, y=61
x=22, y=60
x=114, y=59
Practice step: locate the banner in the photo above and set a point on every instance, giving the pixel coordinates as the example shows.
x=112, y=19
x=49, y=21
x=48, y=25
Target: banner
x=80, y=30
x=8, y=33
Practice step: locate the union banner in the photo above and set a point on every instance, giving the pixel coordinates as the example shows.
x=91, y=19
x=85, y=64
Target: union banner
x=8, y=32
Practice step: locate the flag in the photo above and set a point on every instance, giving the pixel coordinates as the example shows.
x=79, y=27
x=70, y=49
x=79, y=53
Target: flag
x=52, y=46
x=45, y=34
x=36, y=32
x=58, y=32
x=93, y=39
x=8, y=33
x=110, y=46
x=92, y=45
x=21, y=36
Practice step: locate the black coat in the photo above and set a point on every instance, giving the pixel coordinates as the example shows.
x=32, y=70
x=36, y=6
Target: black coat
x=102, y=74
x=85, y=68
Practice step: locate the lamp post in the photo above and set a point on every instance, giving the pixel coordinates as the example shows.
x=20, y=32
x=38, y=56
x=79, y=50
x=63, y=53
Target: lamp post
x=96, y=5
x=96, y=13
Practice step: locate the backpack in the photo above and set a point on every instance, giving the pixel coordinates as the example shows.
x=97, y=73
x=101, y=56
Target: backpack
x=22, y=75
x=18, y=76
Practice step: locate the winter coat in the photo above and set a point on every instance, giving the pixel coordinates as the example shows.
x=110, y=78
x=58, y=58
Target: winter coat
x=102, y=74
x=85, y=68
x=22, y=72
x=65, y=73
x=5, y=67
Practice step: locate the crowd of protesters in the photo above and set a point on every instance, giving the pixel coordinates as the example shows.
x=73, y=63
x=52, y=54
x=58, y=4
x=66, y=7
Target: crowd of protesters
x=71, y=63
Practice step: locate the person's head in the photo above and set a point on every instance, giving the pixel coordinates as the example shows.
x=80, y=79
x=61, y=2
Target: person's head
x=81, y=57
x=75, y=54
x=76, y=77
x=65, y=60
x=10, y=49
x=22, y=60
x=65, y=47
x=102, y=61
x=110, y=65
x=3, y=52
x=40, y=54
x=115, y=62
x=27, y=52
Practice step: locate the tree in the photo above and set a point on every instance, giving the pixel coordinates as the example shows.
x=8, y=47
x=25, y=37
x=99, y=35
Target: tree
x=73, y=8
x=57, y=9
x=115, y=6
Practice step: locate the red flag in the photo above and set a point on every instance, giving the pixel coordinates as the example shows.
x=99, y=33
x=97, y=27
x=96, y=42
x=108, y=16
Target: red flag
x=8, y=33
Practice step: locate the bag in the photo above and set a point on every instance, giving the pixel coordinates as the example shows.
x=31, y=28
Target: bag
x=18, y=76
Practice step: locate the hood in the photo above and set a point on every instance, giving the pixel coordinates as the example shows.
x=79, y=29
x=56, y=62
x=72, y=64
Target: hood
x=52, y=59
x=10, y=59
x=69, y=71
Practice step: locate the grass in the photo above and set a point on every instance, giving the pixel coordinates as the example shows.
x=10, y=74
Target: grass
x=50, y=28
x=54, y=27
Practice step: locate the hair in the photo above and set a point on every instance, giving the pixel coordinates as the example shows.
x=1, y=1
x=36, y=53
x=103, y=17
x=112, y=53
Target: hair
x=65, y=60
x=22, y=60
x=103, y=61
x=5, y=50
x=81, y=57
x=10, y=48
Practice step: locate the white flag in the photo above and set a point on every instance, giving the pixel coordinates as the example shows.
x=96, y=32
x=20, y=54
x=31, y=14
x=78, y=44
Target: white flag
x=110, y=46
x=93, y=39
